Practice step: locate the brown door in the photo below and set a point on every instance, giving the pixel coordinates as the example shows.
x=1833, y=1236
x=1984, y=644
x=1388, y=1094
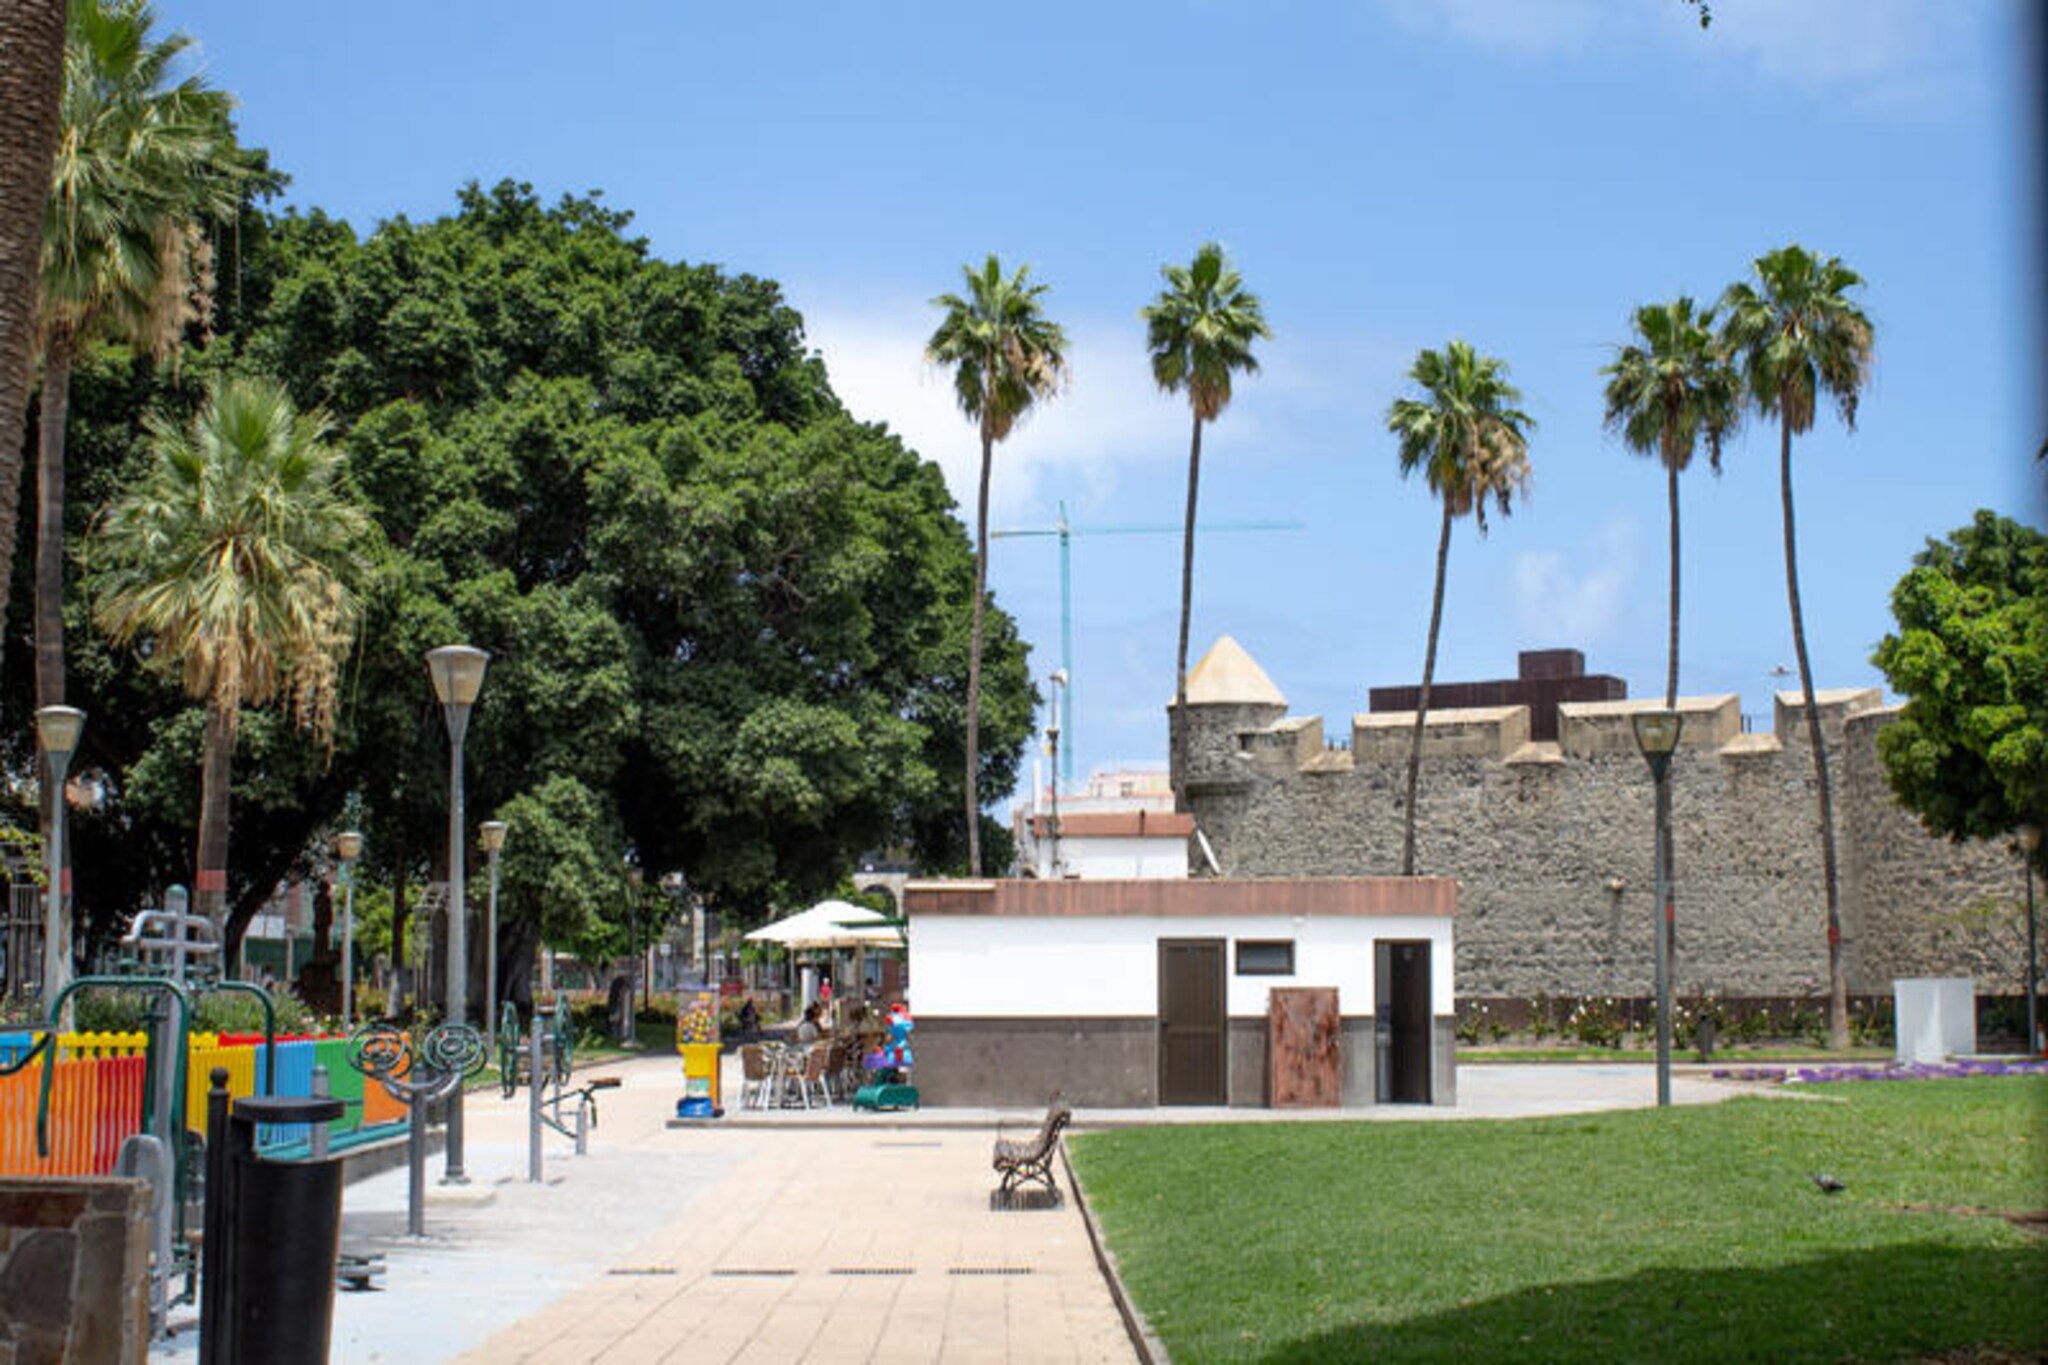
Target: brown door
x=1191, y=1021
x=1403, y=1022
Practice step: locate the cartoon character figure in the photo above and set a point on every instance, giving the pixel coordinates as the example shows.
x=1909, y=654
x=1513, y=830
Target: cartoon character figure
x=894, y=1054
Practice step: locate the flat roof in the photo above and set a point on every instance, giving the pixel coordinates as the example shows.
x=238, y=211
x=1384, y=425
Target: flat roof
x=1117, y=824
x=1174, y=897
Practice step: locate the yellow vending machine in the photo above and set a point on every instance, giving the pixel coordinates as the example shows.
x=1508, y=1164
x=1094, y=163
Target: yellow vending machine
x=697, y=1040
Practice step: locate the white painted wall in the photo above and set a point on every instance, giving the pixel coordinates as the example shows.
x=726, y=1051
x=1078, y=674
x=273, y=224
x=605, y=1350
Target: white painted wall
x=1038, y=967
x=1109, y=858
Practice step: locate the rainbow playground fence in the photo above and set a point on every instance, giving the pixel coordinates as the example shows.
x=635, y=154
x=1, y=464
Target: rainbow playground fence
x=96, y=1094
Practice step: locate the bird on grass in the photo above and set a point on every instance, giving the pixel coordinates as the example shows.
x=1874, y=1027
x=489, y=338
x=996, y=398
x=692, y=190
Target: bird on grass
x=1828, y=1183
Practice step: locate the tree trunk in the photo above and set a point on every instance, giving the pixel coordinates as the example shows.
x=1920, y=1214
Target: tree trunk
x=1838, y=983
x=216, y=770
x=974, y=660
x=31, y=88
x=1436, y=616
x=1187, y=597
x=1671, y=652
x=49, y=591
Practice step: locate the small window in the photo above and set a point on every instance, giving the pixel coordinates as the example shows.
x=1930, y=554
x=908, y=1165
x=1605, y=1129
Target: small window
x=1265, y=957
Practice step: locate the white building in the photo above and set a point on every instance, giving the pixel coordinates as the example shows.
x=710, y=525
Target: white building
x=1130, y=993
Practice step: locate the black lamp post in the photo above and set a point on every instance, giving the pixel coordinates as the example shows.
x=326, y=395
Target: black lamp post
x=458, y=674
x=632, y=1037
x=2030, y=847
x=491, y=837
x=58, y=727
x=348, y=846
x=1657, y=737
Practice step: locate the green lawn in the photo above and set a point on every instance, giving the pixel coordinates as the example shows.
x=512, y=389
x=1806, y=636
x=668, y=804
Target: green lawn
x=1690, y=1234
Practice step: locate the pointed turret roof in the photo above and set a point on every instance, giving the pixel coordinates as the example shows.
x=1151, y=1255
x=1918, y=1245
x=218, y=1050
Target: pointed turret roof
x=1227, y=676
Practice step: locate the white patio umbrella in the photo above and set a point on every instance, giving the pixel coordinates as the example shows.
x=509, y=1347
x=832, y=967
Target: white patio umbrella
x=830, y=925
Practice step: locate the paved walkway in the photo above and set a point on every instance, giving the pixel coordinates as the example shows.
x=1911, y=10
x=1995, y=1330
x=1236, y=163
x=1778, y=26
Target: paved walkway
x=824, y=1236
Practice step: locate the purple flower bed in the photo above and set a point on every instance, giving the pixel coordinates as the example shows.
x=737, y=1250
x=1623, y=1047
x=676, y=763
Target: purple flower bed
x=1912, y=1071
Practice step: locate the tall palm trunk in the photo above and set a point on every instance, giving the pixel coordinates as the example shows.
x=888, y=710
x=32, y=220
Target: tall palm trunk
x=216, y=767
x=1436, y=617
x=1187, y=598
x=49, y=594
x=1838, y=985
x=31, y=87
x=988, y=447
x=1671, y=652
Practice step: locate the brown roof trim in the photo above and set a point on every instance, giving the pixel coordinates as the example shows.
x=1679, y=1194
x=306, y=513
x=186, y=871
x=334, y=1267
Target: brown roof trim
x=1118, y=824
x=1161, y=897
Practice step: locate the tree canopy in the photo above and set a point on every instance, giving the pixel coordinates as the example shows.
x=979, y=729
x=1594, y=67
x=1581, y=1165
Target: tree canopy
x=1969, y=751
x=729, y=623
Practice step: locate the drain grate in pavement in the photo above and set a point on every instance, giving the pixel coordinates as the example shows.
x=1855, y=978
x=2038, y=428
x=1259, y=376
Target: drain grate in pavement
x=641, y=1270
x=990, y=1270
x=871, y=1270
x=910, y=1144
x=732, y=1272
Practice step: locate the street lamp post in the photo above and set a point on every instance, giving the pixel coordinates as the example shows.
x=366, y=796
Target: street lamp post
x=458, y=674
x=632, y=1035
x=1657, y=737
x=58, y=727
x=491, y=837
x=1052, y=734
x=348, y=846
x=2030, y=846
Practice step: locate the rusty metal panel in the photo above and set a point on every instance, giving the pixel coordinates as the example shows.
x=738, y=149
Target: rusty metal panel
x=1307, y=1065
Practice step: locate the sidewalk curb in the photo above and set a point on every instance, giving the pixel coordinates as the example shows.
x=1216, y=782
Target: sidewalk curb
x=1150, y=1349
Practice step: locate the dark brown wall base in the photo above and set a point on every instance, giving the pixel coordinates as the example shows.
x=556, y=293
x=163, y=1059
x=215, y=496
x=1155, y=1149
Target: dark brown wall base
x=1113, y=1063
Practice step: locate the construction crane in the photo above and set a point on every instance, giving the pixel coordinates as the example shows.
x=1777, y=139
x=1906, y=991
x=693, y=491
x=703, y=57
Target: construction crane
x=1066, y=531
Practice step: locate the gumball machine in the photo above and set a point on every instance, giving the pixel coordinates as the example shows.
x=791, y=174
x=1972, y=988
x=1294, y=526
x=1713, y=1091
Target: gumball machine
x=697, y=1040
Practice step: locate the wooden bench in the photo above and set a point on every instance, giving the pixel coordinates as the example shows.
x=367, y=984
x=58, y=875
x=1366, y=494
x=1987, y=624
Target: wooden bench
x=1019, y=1162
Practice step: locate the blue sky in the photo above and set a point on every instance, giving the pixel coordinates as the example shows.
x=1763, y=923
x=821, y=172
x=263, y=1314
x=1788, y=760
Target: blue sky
x=1388, y=174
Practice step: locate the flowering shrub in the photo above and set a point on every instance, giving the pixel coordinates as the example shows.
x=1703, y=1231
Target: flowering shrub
x=1596, y=1021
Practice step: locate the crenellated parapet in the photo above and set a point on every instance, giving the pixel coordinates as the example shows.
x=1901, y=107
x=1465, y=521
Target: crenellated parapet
x=1550, y=840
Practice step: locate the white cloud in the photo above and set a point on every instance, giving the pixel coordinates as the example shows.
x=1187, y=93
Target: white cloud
x=1110, y=422
x=1881, y=52
x=1558, y=598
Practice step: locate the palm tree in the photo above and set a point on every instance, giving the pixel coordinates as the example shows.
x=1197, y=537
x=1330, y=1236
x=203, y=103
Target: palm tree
x=141, y=165
x=1200, y=331
x=231, y=561
x=31, y=86
x=1005, y=355
x=1798, y=337
x=1666, y=391
x=1471, y=444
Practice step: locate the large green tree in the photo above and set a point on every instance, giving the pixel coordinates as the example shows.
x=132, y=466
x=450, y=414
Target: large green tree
x=1798, y=338
x=1200, y=332
x=726, y=619
x=1471, y=444
x=233, y=560
x=1667, y=391
x=1005, y=355
x=1969, y=751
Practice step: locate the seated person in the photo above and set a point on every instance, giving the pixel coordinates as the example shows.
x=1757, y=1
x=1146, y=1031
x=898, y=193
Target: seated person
x=810, y=1031
x=750, y=1018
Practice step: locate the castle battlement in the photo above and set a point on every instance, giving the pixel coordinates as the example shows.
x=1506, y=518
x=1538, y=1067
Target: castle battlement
x=1586, y=730
x=1549, y=839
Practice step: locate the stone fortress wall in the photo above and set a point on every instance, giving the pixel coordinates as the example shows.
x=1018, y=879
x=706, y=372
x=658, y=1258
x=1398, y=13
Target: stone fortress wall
x=1551, y=841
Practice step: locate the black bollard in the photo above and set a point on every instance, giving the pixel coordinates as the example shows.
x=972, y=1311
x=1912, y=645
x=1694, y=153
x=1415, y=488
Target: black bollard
x=273, y=1234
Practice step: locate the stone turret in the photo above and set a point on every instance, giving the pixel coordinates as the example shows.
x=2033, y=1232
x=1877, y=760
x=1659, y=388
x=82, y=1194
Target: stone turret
x=1228, y=695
